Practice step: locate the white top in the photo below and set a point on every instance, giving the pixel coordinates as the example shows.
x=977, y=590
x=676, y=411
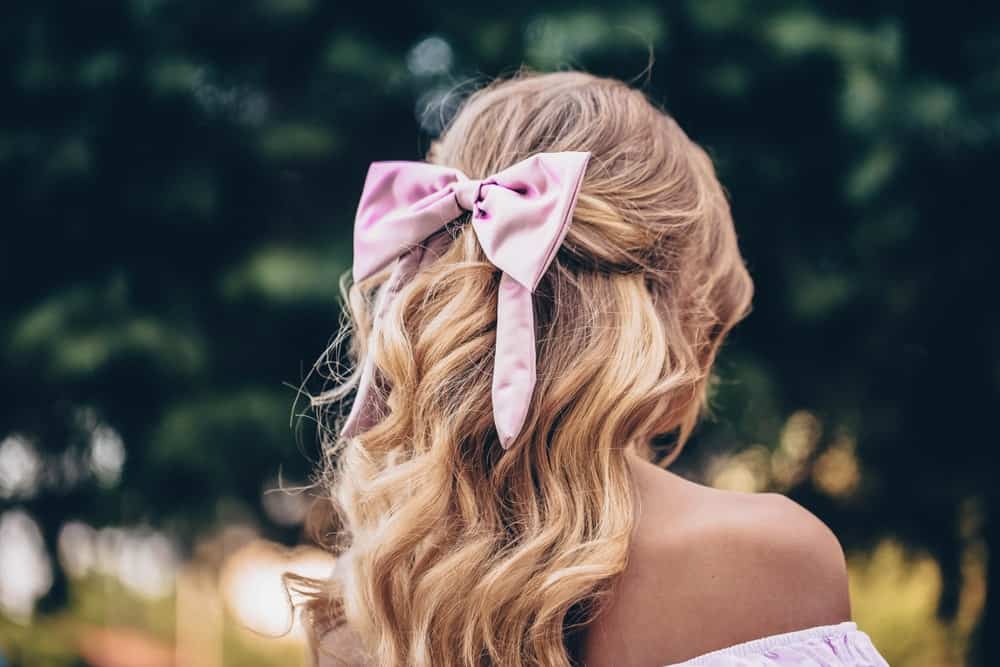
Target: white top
x=840, y=645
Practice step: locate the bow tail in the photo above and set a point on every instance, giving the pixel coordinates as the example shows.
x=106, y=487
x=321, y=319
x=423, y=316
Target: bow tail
x=514, y=363
x=367, y=408
x=367, y=404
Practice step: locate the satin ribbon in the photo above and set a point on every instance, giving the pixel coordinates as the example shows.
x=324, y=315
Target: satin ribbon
x=520, y=217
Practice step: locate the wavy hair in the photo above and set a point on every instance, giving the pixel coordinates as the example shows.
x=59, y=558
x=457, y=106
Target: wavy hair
x=451, y=550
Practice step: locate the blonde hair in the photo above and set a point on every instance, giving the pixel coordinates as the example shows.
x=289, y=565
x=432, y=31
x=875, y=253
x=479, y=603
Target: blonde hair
x=452, y=550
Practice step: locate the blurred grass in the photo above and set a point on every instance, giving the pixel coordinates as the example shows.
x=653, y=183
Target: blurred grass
x=895, y=594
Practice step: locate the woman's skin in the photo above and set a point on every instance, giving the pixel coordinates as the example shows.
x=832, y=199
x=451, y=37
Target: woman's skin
x=707, y=569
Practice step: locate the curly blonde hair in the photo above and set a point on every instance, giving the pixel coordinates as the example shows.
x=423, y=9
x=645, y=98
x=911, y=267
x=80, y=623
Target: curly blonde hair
x=451, y=550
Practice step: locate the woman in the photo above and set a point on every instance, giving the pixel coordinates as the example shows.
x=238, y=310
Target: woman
x=531, y=308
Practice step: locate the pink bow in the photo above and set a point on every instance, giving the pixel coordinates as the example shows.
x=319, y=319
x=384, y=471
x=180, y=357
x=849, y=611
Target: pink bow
x=520, y=216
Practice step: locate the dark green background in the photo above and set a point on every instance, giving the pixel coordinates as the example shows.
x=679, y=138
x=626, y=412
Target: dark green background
x=180, y=179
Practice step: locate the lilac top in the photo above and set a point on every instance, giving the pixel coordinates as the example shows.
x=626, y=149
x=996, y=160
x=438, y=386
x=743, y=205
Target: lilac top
x=841, y=645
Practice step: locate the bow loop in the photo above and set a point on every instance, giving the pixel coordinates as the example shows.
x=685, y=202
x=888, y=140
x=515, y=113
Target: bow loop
x=402, y=204
x=528, y=210
x=520, y=217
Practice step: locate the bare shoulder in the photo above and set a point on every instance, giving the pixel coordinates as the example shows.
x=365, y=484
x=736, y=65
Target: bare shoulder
x=339, y=647
x=711, y=568
x=776, y=554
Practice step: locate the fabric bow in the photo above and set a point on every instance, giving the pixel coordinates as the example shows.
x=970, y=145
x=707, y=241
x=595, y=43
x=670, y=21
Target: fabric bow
x=520, y=217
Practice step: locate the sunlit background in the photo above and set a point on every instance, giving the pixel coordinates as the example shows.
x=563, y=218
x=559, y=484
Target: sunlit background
x=180, y=180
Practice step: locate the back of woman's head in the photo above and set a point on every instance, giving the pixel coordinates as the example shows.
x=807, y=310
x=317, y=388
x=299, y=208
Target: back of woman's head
x=455, y=550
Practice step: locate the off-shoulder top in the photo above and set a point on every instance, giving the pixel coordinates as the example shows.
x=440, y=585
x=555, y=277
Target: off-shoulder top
x=840, y=645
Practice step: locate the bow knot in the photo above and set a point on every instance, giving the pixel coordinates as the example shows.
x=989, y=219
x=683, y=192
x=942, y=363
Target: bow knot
x=520, y=216
x=468, y=195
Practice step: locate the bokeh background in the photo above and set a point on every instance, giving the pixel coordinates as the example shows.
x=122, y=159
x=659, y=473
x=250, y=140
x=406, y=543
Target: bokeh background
x=179, y=181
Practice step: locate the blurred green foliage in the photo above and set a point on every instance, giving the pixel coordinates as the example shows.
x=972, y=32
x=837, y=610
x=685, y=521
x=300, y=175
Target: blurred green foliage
x=180, y=180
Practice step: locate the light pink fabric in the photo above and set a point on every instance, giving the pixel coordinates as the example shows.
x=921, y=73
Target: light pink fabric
x=520, y=216
x=840, y=645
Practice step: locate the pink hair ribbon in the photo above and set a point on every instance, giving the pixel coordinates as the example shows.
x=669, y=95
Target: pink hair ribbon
x=520, y=217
